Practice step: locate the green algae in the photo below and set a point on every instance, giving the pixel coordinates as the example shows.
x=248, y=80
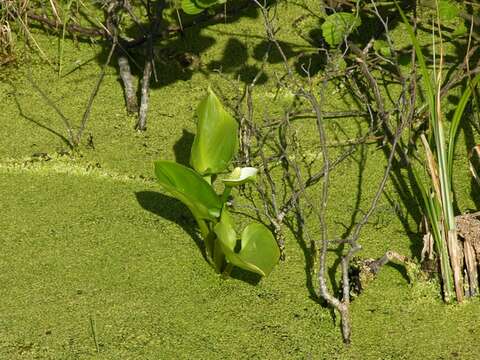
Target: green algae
x=76, y=247
x=91, y=238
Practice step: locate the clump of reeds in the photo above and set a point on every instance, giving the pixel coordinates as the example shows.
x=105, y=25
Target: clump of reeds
x=6, y=38
x=436, y=188
x=12, y=22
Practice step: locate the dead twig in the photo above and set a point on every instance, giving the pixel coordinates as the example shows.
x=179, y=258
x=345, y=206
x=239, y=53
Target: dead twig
x=88, y=109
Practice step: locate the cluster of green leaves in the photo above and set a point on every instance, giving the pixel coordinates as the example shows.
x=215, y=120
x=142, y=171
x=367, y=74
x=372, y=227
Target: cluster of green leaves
x=194, y=7
x=213, y=149
x=338, y=26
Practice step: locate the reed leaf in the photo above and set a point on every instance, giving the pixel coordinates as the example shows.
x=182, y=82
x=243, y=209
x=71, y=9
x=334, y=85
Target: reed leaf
x=439, y=204
x=457, y=116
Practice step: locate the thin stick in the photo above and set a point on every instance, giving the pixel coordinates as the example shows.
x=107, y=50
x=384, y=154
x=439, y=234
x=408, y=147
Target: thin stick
x=86, y=114
x=93, y=328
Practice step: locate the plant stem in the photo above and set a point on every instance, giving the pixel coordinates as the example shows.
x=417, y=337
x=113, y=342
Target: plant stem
x=226, y=194
x=228, y=269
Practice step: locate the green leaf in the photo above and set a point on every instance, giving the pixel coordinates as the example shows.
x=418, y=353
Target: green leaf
x=447, y=10
x=227, y=238
x=382, y=47
x=426, y=78
x=339, y=25
x=226, y=233
x=439, y=209
x=216, y=141
x=259, y=248
x=193, y=7
x=259, y=251
x=460, y=30
x=206, y=3
x=218, y=256
x=187, y=186
x=190, y=7
x=457, y=116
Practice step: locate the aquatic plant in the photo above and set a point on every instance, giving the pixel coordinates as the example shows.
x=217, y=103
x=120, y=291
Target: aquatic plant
x=213, y=149
x=436, y=189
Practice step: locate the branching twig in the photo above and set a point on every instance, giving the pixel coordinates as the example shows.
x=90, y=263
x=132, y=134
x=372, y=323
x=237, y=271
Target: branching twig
x=88, y=109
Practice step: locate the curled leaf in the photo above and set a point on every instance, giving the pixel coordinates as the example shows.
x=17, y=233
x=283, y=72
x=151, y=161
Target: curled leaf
x=240, y=176
x=258, y=252
x=190, y=7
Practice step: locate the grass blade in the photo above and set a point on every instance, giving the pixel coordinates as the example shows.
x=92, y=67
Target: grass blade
x=457, y=116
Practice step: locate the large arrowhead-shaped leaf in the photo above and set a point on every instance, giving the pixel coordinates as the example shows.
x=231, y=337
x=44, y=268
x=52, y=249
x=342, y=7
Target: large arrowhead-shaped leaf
x=337, y=26
x=216, y=140
x=259, y=251
x=190, y=188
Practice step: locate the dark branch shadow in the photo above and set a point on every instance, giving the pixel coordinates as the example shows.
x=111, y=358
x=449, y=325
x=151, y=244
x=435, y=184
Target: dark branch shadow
x=295, y=225
x=36, y=122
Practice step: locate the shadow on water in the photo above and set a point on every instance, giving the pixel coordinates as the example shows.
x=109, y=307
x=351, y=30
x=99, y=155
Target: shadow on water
x=179, y=56
x=296, y=226
x=182, y=148
x=49, y=128
x=172, y=210
x=401, y=269
x=245, y=276
x=235, y=61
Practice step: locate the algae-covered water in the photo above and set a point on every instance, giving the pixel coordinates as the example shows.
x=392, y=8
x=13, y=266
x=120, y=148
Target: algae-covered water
x=98, y=262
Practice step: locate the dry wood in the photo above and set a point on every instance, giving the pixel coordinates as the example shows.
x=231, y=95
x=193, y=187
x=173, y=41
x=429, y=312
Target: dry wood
x=475, y=151
x=142, y=114
x=468, y=229
x=362, y=272
x=127, y=79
